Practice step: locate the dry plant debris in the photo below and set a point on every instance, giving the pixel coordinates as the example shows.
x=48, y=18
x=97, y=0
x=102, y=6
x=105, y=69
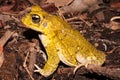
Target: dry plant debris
x=22, y=52
x=59, y=3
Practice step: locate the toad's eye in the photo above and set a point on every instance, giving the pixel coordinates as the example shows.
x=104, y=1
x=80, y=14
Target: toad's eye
x=35, y=18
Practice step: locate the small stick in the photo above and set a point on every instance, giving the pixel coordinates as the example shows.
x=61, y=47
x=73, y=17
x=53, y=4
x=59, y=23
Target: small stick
x=79, y=18
x=25, y=66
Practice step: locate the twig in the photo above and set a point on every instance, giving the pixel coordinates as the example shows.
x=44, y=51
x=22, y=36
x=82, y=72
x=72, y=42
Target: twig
x=79, y=18
x=113, y=73
x=3, y=40
x=25, y=66
x=111, y=51
x=107, y=41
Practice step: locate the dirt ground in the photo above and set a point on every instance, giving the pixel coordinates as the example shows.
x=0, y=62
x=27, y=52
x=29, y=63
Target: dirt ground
x=22, y=49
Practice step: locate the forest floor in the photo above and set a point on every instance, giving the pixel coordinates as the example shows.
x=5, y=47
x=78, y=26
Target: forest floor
x=21, y=51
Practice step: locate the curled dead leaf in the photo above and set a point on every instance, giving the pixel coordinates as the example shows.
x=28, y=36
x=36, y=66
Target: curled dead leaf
x=115, y=23
x=116, y=18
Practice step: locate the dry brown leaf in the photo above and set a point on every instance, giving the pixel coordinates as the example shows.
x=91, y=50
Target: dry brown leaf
x=100, y=16
x=5, y=18
x=114, y=25
x=115, y=5
x=84, y=16
x=1, y=24
x=7, y=6
x=79, y=6
x=50, y=8
x=59, y=3
x=36, y=2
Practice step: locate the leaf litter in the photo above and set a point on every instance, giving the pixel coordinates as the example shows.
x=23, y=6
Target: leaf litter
x=103, y=33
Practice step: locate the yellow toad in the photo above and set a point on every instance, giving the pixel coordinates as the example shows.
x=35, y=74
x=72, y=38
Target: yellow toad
x=61, y=42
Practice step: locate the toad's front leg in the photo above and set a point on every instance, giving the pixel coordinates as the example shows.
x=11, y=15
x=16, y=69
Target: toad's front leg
x=52, y=62
x=49, y=67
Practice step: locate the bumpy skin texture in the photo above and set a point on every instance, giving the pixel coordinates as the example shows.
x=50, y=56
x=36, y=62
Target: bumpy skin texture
x=62, y=43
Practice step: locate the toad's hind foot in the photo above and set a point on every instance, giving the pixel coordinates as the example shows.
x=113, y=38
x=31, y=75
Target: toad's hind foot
x=80, y=65
x=76, y=68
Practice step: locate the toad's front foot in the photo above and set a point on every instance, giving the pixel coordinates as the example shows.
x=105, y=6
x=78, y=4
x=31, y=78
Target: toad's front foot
x=41, y=71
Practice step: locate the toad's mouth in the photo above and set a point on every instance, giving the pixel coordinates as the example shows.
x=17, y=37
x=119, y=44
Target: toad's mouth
x=37, y=31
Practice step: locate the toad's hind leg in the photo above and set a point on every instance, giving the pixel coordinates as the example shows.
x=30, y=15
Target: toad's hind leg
x=52, y=62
